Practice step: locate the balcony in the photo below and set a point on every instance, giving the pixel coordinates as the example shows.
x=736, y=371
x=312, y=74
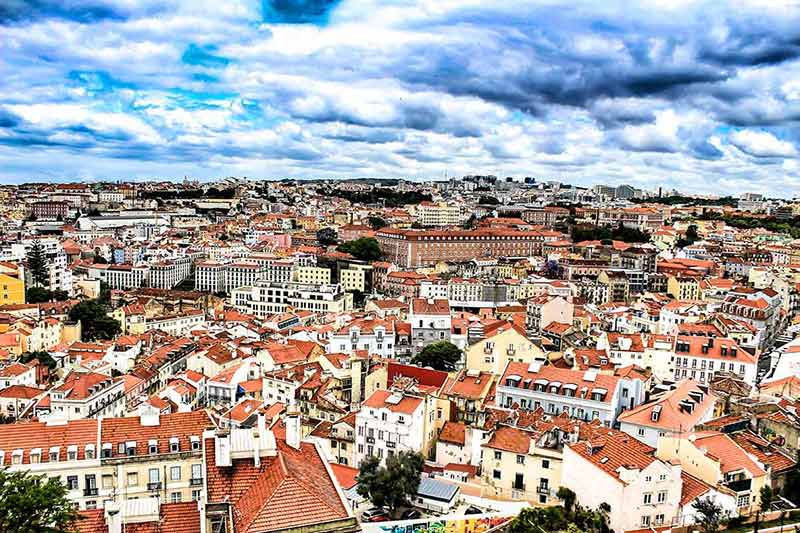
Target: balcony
x=390, y=444
x=543, y=490
x=370, y=440
x=195, y=481
x=518, y=486
x=90, y=491
x=154, y=486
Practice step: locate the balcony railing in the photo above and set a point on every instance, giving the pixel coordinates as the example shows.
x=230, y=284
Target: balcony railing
x=90, y=491
x=154, y=486
x=543, y=490
x=195, y=481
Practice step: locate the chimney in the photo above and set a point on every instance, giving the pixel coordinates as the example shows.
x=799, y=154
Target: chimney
x=113, y=517
x=293, y=425
x=257, y=447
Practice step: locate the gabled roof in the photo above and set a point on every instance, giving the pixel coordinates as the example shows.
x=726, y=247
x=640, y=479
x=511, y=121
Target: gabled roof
x=671, y=410
x=290, y=490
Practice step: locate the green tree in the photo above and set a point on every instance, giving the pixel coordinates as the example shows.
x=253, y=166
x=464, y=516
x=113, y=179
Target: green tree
x=471, y=222
x=376, y=222
x=393, y=485
x=104, y=297
x=34, y=504
x=766, y=497
x=37, y=265
x=568, y=497
x=442, y=355
x=37, y=295
x=327, y=236
x=43, y=357
x=95, y=322
x=709, y=514
x=365, y=249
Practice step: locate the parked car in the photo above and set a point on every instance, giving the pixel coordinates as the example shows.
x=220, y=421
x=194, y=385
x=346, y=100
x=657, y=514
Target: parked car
x=376, y=514
x=411, y=514
x=473, y=510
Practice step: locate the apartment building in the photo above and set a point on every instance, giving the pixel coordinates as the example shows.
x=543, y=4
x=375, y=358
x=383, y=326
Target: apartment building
x=120, y=276
x=391, y=421
x=439, y=214
x=716, y=459
x=522, y=464
x=642, y=490
x=113, y=458
x=373, y=335
x=87, y=395
x=544, y=310
x=415, y=248
x=699, y=358
x=269, y=298
x=314, y=274
x=669, y=413
x=500, y=346
x=430, y=322
x=585, y=395
x=167, y=274
x=12, y=283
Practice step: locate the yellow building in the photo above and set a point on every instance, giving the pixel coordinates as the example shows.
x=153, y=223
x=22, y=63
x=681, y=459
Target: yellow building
x=12, y=284
x=683, y=288
x=521, y=465
x=507, y=343
x=353, y=279
x=310, y=274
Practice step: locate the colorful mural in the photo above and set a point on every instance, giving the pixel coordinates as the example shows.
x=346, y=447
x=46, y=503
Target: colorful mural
x=462, y=524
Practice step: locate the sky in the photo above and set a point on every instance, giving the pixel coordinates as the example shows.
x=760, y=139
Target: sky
x=703, y=97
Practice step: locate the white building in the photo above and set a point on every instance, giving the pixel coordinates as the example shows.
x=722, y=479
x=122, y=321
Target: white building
x=373, y=335
x=698, y=358
x=585, y=395
x=268, y=298
x=616, y=469
x=388, y=423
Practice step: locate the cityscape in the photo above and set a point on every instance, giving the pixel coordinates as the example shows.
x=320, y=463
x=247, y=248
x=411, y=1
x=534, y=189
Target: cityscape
x=339, y=266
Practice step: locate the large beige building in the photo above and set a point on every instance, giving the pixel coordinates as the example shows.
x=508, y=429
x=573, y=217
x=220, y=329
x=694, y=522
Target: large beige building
x=507, y=343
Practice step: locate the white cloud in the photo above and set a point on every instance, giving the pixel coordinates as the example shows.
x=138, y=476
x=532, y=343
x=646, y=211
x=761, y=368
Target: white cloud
x=762, y=144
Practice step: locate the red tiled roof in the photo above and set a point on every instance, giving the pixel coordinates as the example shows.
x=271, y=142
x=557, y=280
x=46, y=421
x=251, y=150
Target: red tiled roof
x=615, y=450
x=510, y=439
x=290, y=490
x=30, y=435
x=671, y=414
x=180, y=425
x=406, y=405
x=181, y=517
x=453, y=433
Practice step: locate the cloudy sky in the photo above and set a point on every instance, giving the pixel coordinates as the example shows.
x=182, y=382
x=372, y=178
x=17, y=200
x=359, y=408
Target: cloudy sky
x=699, y=96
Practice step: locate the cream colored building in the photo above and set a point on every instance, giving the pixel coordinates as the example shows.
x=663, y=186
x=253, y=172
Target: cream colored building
x=506, y=344
x=313, y=274
x=521, y=465
x=353, y=279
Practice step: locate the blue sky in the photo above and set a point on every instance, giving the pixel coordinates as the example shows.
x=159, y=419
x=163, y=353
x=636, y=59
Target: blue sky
x=701, y=96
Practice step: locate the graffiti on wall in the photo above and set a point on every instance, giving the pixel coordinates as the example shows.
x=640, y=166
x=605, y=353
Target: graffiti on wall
x=469, y=524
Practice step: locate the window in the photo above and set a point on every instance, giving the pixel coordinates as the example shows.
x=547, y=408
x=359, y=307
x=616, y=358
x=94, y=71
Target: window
x=662, y=496
x=496, y=474
x=520, y=459
x=133, y=479
x=195, y=495
x=498, y=455
x=152, y=447
x=648, y=498
x=659, y=519
x=107, y=480
x=645, y=520
x=197, y=471
x=72, y=482
x=175, y=473
x=195, y=443
x=174, y=445
x=662, y=477
x=641, y=432
x=545, y=463
x=153, y=475
x=743, y=500
x=175, y=497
